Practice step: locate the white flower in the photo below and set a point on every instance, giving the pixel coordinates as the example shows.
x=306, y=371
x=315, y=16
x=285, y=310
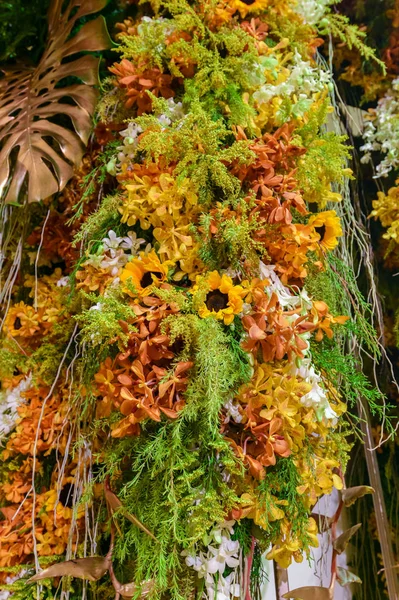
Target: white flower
x=382, y=133
x=132, y=242
x=63, y=281
x=10, y=400
x=317, y=397
x=224, y=552
x=112, y=242
x=312, y=11
x=232, y=411
x=97, y=306
x=303, y=81
x=175, y=109
x=114, y=262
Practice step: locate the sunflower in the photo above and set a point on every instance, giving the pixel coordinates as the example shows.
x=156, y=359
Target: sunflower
x=327, y=226
x=22, y=321
x=246, y=7
x=223, y=299
x=143, y=272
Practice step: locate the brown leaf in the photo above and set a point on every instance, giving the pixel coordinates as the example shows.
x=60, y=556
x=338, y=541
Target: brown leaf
x=310, y=593
x=128, y=590
x=342, y=541
x=91, y=568
x=114, y=504
x=345, y=577
x=350, y=495
x=37, y=154
x=323, y=522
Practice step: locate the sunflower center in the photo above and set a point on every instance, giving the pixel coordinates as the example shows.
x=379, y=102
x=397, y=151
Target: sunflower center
x=66, y=495
x=216, y=300
x=321, y=231
x=146, y=280
x=17, y=323
x=248, y=2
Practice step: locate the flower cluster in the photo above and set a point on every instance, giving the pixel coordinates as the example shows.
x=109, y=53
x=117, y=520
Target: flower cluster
x=381, y=132
x=169, y=344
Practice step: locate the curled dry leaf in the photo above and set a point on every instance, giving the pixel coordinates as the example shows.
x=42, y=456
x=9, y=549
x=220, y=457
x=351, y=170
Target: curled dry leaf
x=310, y=593
x=342, y=541
x=350, y=495
x=323, y=522
x=114, y=504
x=91, y=568
x=37, y=154
x=128, y=590
x=345, y=577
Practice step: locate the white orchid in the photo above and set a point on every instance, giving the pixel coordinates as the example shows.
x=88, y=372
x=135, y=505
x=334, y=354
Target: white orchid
x=221, y=552
x=303, y=81
x=112, y=242
x=312, y=11
x=10, y=400
x=132, y=242
x=382, y=133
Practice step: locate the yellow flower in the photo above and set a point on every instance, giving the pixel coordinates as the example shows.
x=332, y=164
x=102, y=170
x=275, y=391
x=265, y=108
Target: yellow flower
x=223, y=299
x=173, y=237
x=245, y=9
x=22, y=320
x=150, y=201
x=386, y=209
x=290, y=547
x=144, y=272
x=327, y=226
x=319, y=480
x=262, y=513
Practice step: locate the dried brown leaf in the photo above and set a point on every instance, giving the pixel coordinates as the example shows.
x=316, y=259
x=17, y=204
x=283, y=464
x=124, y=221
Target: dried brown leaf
x=345, y=577
x=310, y=593
x=323, y=522
x=114, y=504
x=128, y=590
x=37, y=154
x=91, y=568
x=342, y=541
x=350, y=495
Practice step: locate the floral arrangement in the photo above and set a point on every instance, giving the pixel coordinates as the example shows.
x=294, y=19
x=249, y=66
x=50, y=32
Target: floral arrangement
x=174, y=342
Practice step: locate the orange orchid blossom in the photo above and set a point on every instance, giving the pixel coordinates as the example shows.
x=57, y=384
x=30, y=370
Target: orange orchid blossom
x=270, y=330
x=326, y=320
x=136, y=81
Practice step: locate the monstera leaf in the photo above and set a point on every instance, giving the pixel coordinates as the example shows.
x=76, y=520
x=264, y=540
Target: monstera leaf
x=44, y=124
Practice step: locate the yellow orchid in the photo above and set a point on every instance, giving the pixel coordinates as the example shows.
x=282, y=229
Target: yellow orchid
x=290, y=547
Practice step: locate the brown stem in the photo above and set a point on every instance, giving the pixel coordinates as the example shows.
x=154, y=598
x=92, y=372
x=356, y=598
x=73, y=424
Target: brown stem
x=280, y=580
x=336, y=517
x=116, y=584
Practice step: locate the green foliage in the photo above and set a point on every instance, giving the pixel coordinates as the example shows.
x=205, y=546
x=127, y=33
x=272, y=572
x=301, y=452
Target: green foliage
x=234, y=240
x=97, y=225
x=100, y=323
x=173, y=475
x=342, y=370
x=223, y=59
x=10, y=360
x=200, y=147
x=325, y=159
x=340, y=27
x=281, y=483
x=45, y=360
x=356, y=305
